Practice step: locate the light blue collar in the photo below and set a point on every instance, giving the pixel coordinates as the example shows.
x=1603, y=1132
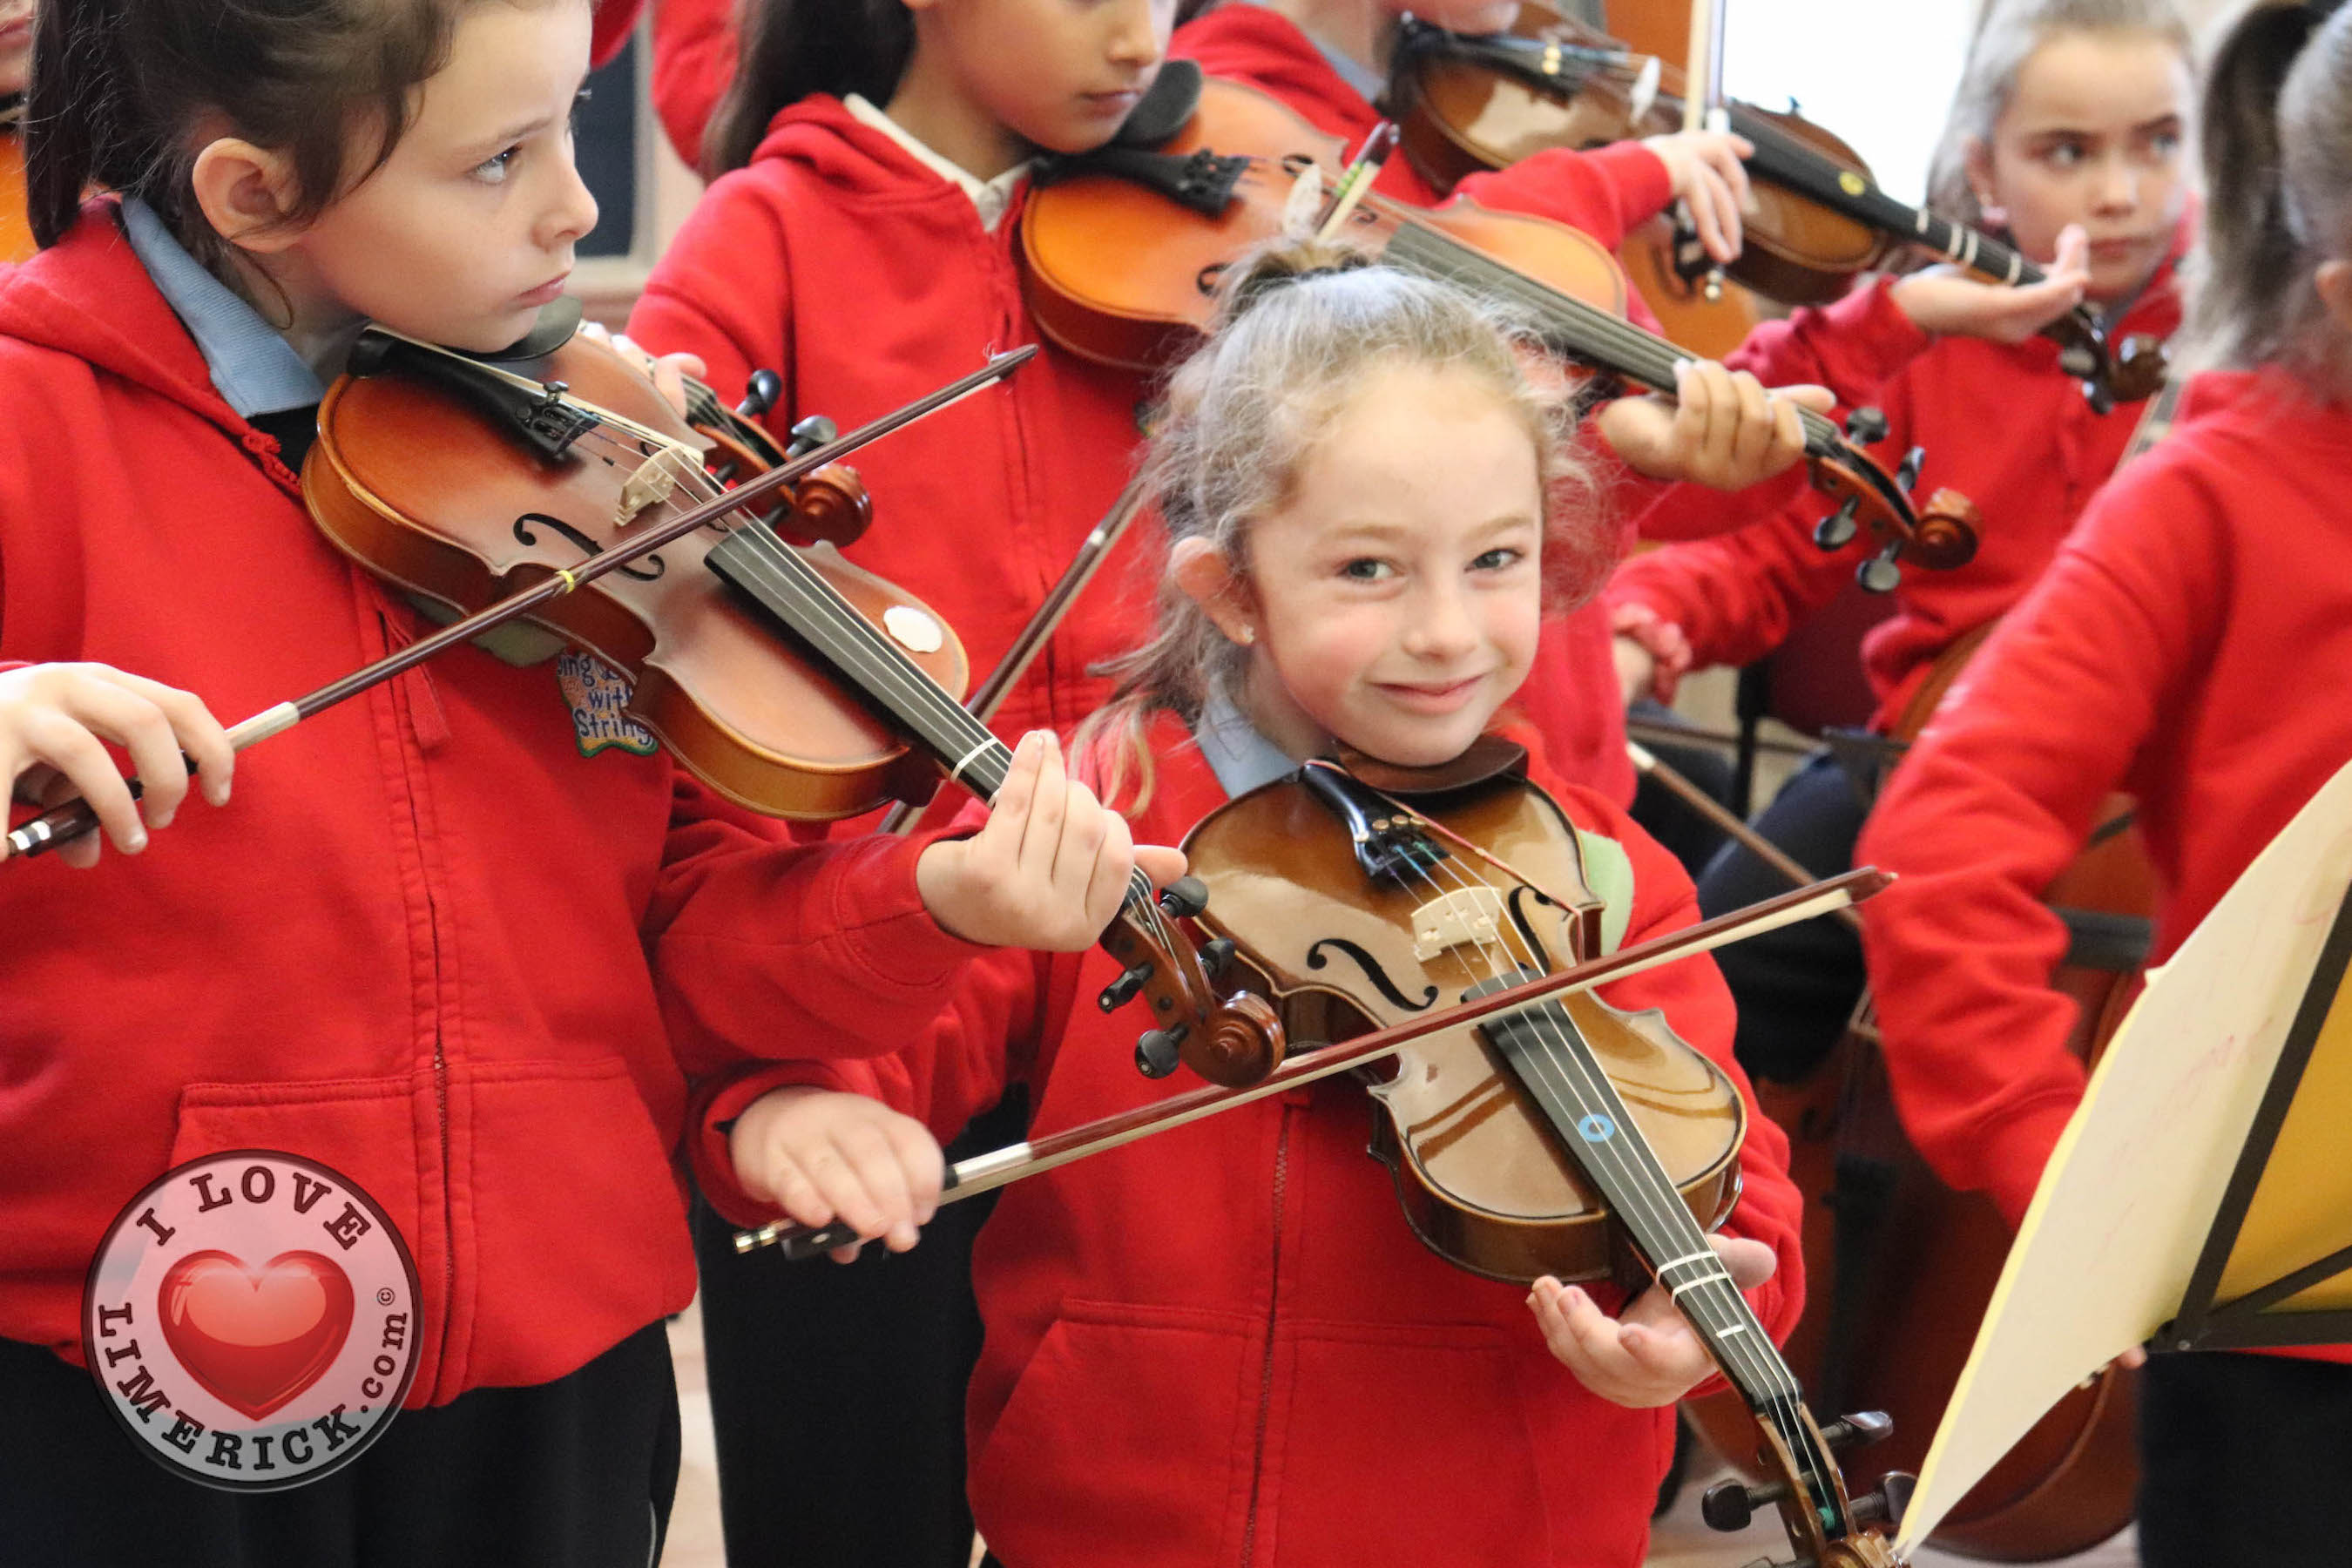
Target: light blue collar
x=1241, y=759
x=254, y=369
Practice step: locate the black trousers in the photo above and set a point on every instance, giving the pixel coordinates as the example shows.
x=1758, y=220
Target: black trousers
x=577, y=1473
x=2244, y=1462
x=836, y=1393
x=1797, y=986
x=1686, y=835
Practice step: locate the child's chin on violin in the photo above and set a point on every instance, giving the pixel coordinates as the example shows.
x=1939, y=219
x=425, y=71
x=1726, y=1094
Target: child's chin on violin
x=1363, y=548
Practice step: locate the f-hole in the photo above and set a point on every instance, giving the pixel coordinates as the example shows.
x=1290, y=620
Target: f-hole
x=646, y=569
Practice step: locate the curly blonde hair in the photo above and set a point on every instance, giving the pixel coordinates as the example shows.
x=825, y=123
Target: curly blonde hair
x=1301, y=327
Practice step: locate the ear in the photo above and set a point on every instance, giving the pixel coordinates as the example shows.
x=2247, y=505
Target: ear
x=2334, y=282
x=1976, y=162
x=244, y=193
x=1209, y=580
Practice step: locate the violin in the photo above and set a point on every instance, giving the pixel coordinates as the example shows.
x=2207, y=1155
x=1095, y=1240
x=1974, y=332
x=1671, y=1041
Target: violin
x=17, y=243
x=1567, y=1137
x=1121, y=251
x=1467, y=104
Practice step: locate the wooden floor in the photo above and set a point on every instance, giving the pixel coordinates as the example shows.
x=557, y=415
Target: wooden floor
x=1680, y=1540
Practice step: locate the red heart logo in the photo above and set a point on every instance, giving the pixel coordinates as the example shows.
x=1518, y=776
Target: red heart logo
x=255, y=1337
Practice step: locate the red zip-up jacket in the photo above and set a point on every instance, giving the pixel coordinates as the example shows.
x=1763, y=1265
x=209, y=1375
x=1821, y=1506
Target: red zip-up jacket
x=2000, y=423
x=428, y=944
x=1223, y=1346
x=865, y=280
x=2186, y=644
x=1572, y=699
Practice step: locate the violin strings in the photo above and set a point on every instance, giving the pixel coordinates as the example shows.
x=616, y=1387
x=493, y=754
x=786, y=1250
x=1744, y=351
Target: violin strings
x=852, y=644
x=1648, y=358
x=1735, y=1335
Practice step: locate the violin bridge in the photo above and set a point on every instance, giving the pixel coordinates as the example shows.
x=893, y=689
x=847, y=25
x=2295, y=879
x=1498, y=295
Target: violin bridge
x=1465, y=917
x=656, y=481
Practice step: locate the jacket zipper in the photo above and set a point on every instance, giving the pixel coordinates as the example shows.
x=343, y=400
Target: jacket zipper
x=1273, y=1310
x=440, y=1055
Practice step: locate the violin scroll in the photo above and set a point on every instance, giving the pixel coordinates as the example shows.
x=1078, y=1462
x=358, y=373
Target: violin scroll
x=1235, y=1039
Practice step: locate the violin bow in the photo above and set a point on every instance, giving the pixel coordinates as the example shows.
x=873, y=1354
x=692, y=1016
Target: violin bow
x=1092, y=552
x=75, y=817
x=1002, y=1167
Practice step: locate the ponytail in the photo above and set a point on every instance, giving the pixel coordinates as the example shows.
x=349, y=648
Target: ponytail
x=794, y=49
x=2277, y=149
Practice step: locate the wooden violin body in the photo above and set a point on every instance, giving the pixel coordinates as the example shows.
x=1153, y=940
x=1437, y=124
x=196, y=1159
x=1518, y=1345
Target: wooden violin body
x=1565, y=1137
x=17, y=242
x=1458, y=116
x=410, y=479
x=1118, y=272
x=1483, y=1181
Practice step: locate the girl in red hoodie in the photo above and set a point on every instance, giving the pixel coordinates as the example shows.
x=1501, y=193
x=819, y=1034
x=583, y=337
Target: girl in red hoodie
x=860, y=240
x=2068, y=117
x=432, y=946
x=1225, y=1346
x=2180, y=646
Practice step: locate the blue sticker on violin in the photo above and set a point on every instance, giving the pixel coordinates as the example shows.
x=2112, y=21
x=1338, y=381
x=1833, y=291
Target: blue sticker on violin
x=599, y=696
x=1596, y=1128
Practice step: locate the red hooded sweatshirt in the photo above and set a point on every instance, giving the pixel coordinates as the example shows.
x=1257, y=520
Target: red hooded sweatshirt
x=1572, y=699
x=429, y=943
x=865, y=279
x=694, y=60
x=2001, y=423
x=1223, y=1346
x=2186, y=644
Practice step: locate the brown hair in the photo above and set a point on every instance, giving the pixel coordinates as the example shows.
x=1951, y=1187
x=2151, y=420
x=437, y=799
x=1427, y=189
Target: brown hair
x=793, y=48
x=1300, y=327
x=119, y=88
x=2277, y=131
x=2008, y=36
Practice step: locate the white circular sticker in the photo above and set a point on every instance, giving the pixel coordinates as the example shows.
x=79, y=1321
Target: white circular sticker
x=251, y=1319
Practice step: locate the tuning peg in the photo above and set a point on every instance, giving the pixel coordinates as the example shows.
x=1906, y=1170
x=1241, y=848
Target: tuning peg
x=1908, y=474
x=1859, y=1430
x=810, y=434
x=1837, y=529
x=1185, y=897
x=1886, y=1505
x=1216, y=957
x=1880, y=573
x=1156, y=1051
x=1729, y=1505
x=1123, y=990
x=759, y=395
x=1866, y=427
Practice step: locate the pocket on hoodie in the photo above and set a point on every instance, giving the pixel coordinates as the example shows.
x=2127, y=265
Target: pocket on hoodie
x=580, y=1230
x=1132, y=1424
x=1412, y=1444
x=364, y=1128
